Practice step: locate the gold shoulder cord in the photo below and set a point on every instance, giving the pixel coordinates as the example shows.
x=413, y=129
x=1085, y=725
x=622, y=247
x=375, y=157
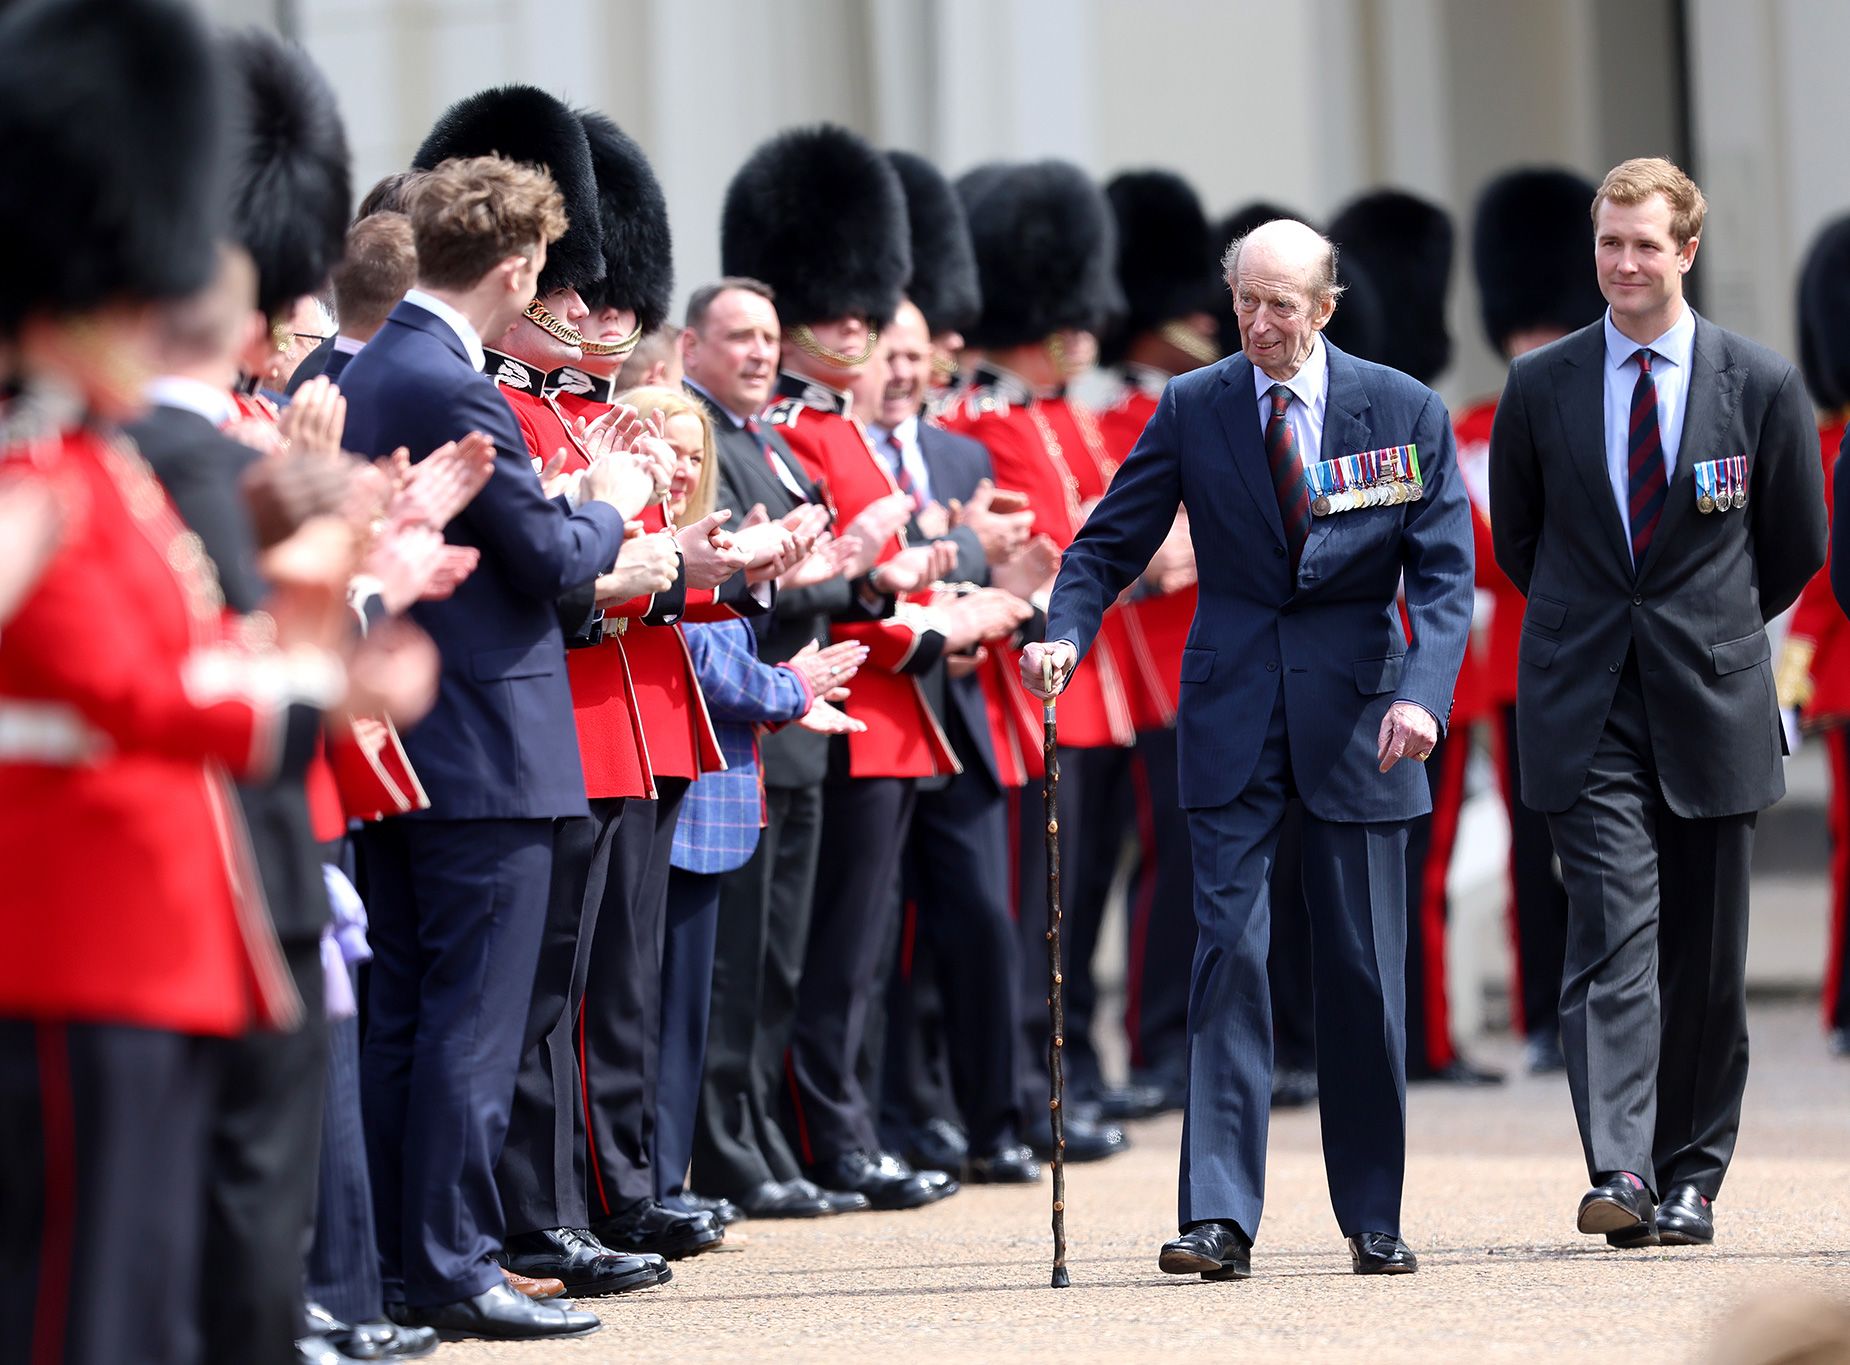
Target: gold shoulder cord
x=1189, y=342
x=1050, y=442
x=828, y=355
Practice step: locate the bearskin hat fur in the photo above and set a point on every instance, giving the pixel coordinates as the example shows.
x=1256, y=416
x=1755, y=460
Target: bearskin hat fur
x=112, y=113
x=944, y=283
x=1532, y=252
x=525, y=124
x=291, y=174
x=819, y=215
x=1824, y=315
x=1404, y=244
x=1046, y=252
x=633, y=213
x=1168, y=264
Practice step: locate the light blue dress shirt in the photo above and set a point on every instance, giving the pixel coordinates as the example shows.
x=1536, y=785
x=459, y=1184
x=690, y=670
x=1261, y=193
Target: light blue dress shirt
x=1670, y=369
x=1310, y=396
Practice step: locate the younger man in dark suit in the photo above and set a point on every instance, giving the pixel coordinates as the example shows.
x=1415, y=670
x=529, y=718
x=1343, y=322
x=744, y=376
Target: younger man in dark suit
x=1654, y=494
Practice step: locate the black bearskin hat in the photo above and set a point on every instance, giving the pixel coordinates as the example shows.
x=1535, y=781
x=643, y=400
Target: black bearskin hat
x=291, y=186
x=112, y=115
x=525, y=124
x=1354, y=327
x=1046, y=252
x=1404, y=245
x=1167, y=260
x=819, y=215
x=1532, y=251
x=943, y=284
x=638, y=251
x=1824, y=315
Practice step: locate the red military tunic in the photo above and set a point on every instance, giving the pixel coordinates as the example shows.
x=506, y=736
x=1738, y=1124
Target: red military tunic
x=1051, y=451
x=1157, y=625
x=1817, y=618
x=903, y=737
x=129, y=896
x=1487, y=682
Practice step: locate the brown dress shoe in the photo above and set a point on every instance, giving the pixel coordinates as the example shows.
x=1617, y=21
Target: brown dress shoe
x=534, y=1289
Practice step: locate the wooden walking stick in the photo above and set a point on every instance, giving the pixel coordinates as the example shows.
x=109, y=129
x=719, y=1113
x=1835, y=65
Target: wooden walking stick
x=1056, y=983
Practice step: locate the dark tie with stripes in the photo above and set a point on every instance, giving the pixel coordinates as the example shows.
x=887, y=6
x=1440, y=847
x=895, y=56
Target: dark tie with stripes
x=1648, y=486
x=1281, y=451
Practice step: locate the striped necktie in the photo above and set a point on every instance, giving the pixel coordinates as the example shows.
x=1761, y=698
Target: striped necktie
x=1281, y=451
x=1647, y=487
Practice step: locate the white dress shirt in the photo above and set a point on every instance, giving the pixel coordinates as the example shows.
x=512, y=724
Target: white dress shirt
x=347, y=345
x=1310, y=397
x=1670, y=370
x=193, y=395
x=464, y=329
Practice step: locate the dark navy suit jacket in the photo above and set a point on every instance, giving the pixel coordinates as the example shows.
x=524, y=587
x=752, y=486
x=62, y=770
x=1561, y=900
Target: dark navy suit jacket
x=1332, y=639
x=500, y=742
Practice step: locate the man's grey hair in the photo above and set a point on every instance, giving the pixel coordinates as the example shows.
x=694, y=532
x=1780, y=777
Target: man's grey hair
x=1324, y=284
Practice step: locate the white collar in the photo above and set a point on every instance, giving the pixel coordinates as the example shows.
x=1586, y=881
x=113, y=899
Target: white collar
x=1307, y=385
x=194, y=396
x=346, y=345
x=904, y=434
x=464, y=329
x=1675, y=345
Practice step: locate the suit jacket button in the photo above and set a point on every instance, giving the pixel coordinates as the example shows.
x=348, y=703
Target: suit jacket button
x=1278, y=553
x=1612, y=668
x=1638, y=601
x=1271, y=667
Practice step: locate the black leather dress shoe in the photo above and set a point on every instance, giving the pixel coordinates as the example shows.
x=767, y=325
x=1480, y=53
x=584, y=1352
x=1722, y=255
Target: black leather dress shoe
x=585, y=1265
x=781, y=1199
x=886, y=1184
x=1116, y=1103
x=724, y=1211
x=1006, y=1166
x=1618, y=1204
x=1085, y=1140
x=839, y=1201
x=370, y=1340
x=1381, y=1253
x=1542, y=1055
x=894, y=1165
x=1685, y=1218
x=652, y=1227
x=936, y=1145
x=500, y=1313
x=1294, y=1087
x=1458, y=1071
x=315, y=1349
x=1216, y=1251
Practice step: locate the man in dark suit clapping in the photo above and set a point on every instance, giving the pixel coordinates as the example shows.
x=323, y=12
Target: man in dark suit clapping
x=457, y=893
x=1655, y=493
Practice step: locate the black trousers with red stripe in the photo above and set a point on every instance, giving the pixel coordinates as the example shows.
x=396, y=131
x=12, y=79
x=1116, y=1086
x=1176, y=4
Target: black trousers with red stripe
x=1161, y=918
x=103, y=1140
x=1538, y=900
x=1430, y=841
x=619, y=1023
x=1837, y=962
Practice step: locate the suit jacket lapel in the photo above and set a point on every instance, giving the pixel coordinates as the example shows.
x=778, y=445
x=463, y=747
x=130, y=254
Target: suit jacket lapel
x=1708, y=407
x=1580, y=403
x=1239, y=415
x=1346, y=431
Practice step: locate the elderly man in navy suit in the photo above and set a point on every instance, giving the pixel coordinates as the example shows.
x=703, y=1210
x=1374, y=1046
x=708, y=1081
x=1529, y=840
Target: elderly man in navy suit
x=1298, y=680
x=457, y=893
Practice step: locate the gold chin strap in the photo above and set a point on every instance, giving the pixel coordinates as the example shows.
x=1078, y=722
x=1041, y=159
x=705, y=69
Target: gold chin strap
x=943, y=367
x=1189, y=342
x=541, y=317
x=806, y=339
x=281, y=335
x=619, y=348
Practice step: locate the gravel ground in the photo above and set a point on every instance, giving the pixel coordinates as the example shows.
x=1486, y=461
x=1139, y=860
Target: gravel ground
x=1492, y=1184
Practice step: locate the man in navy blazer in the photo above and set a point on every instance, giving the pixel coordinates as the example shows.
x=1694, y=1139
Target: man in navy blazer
x=457, y=893
x=1298, y=680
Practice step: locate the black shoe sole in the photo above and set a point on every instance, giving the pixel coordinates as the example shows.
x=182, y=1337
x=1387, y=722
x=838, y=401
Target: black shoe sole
x=1633, y=1238
x=1607, y=1215
x=476, y=1334
x=1678, y=1237
x=978, y=1176
x=576, y=1288
x=676, y=1249
x=1399, y=1268
x=810, y=1212
x=1175, y=1261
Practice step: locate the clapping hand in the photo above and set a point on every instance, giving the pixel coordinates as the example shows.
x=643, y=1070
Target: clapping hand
x=1002, y=533
x=315, y=419
x=824, y=719
x=828, y=670
x=709, y=553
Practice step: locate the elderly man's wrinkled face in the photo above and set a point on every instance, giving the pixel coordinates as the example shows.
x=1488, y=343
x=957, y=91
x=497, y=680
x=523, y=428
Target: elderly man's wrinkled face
x=1278, y=307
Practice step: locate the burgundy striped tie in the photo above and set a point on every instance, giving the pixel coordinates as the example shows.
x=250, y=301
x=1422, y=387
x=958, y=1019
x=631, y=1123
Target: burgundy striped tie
x=1281, y=451
x=1648, y=487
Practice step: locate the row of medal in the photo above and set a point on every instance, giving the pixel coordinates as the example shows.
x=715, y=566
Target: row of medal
x=1721, y=484
x=1371, y=478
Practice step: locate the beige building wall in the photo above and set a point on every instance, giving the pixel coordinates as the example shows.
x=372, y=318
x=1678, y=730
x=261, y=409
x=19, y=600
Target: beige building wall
x=1305, y=102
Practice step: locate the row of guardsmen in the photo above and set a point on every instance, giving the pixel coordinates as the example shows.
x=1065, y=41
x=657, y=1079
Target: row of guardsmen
x=658, y=769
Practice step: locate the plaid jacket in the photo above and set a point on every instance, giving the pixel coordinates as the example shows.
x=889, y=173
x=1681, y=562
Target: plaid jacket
x=723, y=811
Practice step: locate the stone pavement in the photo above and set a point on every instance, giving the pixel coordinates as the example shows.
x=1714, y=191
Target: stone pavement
x=1493, y=1179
